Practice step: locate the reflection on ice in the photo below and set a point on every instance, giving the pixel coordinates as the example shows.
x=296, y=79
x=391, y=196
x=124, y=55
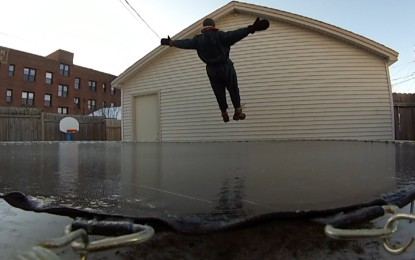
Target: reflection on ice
x=236, y=179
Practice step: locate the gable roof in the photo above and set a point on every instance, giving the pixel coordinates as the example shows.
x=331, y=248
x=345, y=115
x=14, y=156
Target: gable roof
x=273, y=14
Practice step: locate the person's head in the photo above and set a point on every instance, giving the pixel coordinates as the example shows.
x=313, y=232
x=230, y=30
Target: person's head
x=208, y=24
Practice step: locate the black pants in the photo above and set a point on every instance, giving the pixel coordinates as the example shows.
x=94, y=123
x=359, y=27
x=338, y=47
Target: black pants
x=223, y=77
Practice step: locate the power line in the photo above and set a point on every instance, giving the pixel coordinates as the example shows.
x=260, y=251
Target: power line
x=404, y=77
x=128, y=9
x=404, y=66
x=394, y=84
x=13, y=37
x=140, y=17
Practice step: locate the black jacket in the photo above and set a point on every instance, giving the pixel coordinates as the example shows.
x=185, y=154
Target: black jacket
x=213, y=46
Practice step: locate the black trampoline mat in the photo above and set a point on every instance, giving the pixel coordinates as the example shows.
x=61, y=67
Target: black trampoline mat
x=204, y=186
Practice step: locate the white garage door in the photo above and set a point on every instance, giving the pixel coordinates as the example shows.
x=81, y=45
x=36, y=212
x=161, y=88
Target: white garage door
x=147, y=118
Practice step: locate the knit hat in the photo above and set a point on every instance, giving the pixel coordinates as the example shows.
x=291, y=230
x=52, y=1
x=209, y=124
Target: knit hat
x=208, y=22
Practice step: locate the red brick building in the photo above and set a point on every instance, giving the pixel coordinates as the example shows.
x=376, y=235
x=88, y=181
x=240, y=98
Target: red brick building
x=53, y=83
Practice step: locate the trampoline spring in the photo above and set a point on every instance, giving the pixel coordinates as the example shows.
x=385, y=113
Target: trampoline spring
x=65, y=240
x=393, y=220
x=385, y=233
x=142, y=233
x=389, y=230
x=81, y=244
x=68, y=238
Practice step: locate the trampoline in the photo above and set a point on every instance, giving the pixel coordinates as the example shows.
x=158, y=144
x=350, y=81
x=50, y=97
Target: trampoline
x=196, y=188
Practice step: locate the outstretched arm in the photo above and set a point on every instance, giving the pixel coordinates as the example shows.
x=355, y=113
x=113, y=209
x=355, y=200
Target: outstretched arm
x=232, y=37
x=183, y=44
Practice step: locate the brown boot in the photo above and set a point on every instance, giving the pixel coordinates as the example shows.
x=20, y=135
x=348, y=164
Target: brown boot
x=225, y=116
x=238, y=114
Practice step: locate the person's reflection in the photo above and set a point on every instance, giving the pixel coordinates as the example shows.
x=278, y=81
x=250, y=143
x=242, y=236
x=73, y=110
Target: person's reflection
x=68, y=167
x=231, y=195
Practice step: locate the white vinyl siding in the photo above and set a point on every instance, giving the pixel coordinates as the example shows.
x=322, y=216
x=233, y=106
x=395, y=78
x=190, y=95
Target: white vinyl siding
x=296, y=84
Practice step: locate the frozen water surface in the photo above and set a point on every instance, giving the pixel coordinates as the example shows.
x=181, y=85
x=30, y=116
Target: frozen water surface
x=206, y=183
x=194, y=182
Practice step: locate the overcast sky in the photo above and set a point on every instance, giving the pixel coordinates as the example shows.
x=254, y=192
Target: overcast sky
x=106, y=35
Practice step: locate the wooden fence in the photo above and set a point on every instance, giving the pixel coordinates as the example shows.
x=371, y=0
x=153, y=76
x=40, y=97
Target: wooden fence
x=31, y=124
x=113, y=129
x=404, y=106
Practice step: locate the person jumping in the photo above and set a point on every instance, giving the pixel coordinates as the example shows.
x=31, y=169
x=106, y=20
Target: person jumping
x=213, y=47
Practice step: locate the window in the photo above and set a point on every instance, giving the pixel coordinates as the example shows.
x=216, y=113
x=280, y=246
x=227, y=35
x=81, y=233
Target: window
x=77, y=83
x=91, y=104
x=29, y=74
x=48, y=77
x=92, y=85
x=9, y=95
x=62, y=110
x=104, y=104
x=64, y=69
x=11, y=70
x=112, y=90
x=104, y=87
x=28, y=98
x=62, y=90
x=47, y=100
x=112, y=104
x=77, y=102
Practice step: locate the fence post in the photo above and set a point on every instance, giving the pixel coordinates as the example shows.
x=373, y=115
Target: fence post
x=42, y=125
x=404, y=106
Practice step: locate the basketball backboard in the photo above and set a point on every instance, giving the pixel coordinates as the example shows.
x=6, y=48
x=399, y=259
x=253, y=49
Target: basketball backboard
x=69, y=125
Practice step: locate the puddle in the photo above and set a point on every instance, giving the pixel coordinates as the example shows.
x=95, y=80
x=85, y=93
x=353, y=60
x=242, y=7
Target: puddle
x=206, y=183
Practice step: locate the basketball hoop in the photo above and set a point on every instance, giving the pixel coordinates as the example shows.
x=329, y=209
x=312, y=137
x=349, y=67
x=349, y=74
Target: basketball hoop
x=71, y=130
x=69, y=125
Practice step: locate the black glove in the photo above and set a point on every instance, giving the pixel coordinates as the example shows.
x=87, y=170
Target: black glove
x=166, y=41
x=258, y=25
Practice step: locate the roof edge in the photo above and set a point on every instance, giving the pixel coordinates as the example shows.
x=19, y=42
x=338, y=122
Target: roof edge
x=388, y=54
x=321, y=27
x=128, y=73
